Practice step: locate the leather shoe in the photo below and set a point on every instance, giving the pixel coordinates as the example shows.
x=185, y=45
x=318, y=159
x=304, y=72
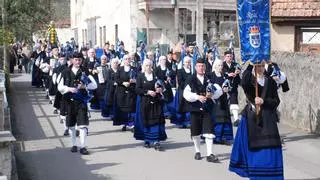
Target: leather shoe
x=84, y=151
x=212, y=158
x=74, y=149
x=146, y=145
x=66, y=132
x=197, y=156
x=157, y=147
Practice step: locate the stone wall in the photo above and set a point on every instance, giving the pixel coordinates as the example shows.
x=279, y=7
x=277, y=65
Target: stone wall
x=299, y=107
x=7, y=159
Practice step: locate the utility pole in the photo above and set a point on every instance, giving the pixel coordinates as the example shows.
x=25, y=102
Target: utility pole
x=176, y=20
x=199, y=26
x=5, y=54
x=148, y=21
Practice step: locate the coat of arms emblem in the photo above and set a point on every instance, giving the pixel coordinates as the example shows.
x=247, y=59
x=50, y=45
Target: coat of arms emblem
x=254, y=36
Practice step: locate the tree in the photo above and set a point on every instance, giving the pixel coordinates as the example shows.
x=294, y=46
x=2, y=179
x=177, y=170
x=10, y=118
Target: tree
x=26, y=16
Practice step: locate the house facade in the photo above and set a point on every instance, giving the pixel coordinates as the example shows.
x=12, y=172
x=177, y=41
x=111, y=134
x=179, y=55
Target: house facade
x=295, y=25
x=95, y=22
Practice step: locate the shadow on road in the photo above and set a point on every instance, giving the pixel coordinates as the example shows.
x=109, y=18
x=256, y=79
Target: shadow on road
x=299, y=138
x=56, y=164
x=32, y=126
x=26, y=104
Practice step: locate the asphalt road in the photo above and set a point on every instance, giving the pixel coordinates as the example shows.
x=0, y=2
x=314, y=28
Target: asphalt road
x=42, y=152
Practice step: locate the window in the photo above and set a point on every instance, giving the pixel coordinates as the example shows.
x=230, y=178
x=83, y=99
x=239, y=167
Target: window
x=307, y=39
x=155, y=35
x=116, y=32
x=92, y=32
x=104, y=37
x=100, y=34
x=76, y=38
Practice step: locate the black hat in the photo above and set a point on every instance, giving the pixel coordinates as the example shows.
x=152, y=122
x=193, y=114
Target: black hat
x=121, y=43
x=227, y=52
x=200, y=60
x=77, y=55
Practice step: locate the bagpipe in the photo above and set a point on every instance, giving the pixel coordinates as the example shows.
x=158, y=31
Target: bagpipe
x=133, y=74
x=157, y=54
x=174, y=66
x=196, y=55
x=275, y=71
x=168, y=76
x=159, y=84
x=82, y=95
x=210, y=89
x=231, y=47
x=227, y=84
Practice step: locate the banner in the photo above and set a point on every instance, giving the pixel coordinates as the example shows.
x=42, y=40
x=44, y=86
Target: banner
x=254, y=30
x=99, y=53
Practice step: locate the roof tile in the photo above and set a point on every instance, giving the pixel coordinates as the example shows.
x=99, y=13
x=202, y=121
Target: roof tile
x=295, y=8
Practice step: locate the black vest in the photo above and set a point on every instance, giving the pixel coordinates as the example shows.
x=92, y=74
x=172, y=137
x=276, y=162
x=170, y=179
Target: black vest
x=199, y=89
x=72, y=80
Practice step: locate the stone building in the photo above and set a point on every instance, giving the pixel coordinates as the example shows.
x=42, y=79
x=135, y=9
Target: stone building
x=295, y=25
x=95, y=22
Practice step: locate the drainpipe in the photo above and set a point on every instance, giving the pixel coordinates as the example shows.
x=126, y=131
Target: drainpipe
x=148, y=20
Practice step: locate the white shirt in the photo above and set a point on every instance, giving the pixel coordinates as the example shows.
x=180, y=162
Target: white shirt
x=187, y=70
x=64, y=89
x=149, y=77
x=193, y=97
x=126, y=68
x=163, y=67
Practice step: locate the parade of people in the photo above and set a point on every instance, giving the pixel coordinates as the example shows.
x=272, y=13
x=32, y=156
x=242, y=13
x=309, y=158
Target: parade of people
x=212, y=100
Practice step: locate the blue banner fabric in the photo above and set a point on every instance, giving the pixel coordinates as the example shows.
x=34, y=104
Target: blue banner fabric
x=254, y=30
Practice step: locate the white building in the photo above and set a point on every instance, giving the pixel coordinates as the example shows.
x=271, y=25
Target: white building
x=98, y=21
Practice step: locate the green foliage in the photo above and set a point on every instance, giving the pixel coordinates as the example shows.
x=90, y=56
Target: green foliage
x=23, y=17
x=6, y=36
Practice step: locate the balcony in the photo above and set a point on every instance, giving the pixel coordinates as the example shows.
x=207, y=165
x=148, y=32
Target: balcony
x=188, y=4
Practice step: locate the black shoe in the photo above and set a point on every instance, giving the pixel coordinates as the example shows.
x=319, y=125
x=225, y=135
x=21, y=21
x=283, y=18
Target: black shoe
x=236, y=123
x=74, y=149
x=124, y=128
x=157, y=147
x=84, y=151
x=197, y=156
x=66, y=132
x=50, y=102
x=146, y=145
x=212, y=158
x=77, y=133
x=55, y=111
